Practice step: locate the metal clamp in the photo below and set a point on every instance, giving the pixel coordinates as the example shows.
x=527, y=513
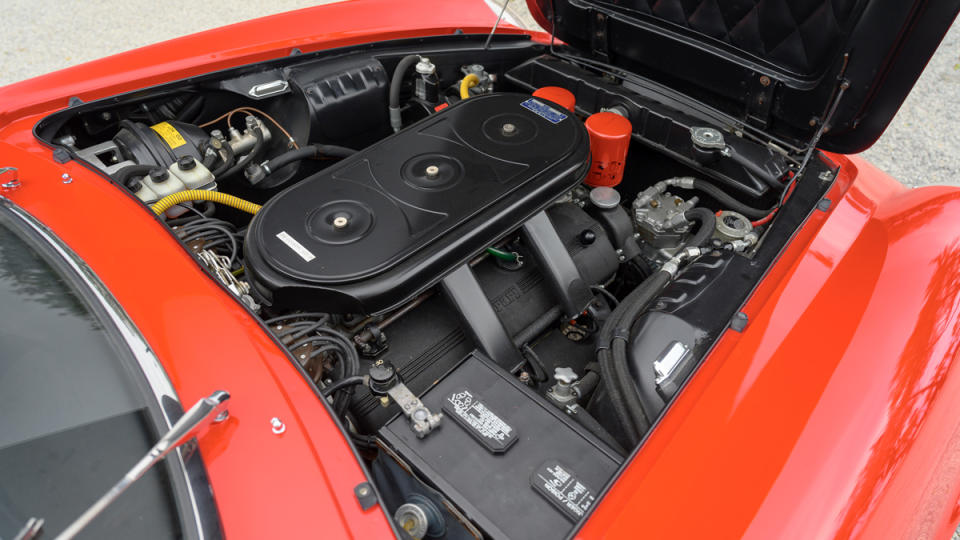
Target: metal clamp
x=421, y=419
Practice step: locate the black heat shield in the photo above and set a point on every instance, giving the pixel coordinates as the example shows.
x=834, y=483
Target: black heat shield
x=773, y=64
x=374, y=230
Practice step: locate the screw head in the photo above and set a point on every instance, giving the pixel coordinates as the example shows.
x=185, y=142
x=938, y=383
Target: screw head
x=764, y=81
x=277, y=426
x=508, y=129
x=432, y=171
x=340, y=222
x=66, y=178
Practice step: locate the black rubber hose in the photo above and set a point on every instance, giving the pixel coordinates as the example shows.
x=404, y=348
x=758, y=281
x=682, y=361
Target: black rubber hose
x=228, y=150
x=728, y=202
x=312, y=151
x=604, y=358
x=343, y=383
x=539, y=372
x=537, y=327
x=589, y=382
x=242, y=162
x=707, y=223
x=756, y=170
x=332, y=150
x=397, y=80
x=590, y=423
x=644, y=411
x=396, y=121
x=128, y=173
x=208, y=209
x=613, y=367
x=644, y=388
x=190, y=111
x=208, y=158
x=602, y=291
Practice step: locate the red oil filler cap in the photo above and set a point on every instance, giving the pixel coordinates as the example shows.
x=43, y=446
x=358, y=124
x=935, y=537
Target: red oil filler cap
x=560, y=96
x=609, y=142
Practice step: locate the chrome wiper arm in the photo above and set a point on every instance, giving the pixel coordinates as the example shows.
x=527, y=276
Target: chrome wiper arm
x=187, y=427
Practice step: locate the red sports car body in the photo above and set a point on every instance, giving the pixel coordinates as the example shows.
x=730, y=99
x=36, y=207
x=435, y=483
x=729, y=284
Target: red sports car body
x=827, y=406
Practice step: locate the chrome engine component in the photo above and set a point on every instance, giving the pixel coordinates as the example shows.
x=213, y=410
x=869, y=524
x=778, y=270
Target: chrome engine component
x=658, y=216
x=732, y=226
x=220, y=266
x=485, y=86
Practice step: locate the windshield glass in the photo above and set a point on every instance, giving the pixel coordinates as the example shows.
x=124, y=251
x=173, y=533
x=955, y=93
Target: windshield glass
x=73, y=416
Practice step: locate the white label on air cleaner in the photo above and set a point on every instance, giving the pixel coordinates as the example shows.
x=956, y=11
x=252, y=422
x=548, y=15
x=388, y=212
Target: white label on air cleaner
x=292, y=243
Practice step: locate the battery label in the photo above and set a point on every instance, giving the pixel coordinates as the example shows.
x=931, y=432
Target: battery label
x=543, y=110
x=476, y=417
x=560, y=486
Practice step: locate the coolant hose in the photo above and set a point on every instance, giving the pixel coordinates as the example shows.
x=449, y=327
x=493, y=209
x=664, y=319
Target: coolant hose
x=706, y=221
x=343, y=383
x=590, y=423
x=727, y=201
x=126, y=174
x=395, y=83
x=312, y=151
x=169, y=201
x=467, y=83
x=616, y=374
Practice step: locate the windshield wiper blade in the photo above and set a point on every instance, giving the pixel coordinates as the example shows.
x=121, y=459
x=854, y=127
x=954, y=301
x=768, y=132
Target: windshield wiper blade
x=187, y=427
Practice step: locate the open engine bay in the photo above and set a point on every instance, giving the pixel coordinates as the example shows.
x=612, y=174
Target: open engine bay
x=498, y=265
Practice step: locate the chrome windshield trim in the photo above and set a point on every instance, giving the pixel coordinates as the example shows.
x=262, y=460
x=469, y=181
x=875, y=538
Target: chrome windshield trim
x=163, y=392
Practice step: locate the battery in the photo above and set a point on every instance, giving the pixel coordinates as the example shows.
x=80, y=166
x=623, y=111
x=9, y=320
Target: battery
x=512, y=463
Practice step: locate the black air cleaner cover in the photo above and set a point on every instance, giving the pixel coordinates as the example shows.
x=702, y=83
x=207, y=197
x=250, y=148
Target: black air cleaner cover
x=374, y=230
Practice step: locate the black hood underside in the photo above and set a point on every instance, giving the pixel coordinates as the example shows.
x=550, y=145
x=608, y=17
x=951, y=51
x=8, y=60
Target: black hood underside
x=775, y=64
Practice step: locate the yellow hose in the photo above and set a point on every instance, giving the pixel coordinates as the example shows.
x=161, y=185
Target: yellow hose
x=165, y=203
x=466, y=84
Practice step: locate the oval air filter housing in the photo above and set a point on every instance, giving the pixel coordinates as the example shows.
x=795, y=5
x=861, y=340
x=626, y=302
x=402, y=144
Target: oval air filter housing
x=376, y=229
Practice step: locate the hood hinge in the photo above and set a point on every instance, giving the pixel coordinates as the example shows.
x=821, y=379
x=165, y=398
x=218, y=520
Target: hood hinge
x=598, y=36
x=760, y=100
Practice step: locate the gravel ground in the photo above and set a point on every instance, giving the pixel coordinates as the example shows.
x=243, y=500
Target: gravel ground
x=46, y=35
x=920, y=146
